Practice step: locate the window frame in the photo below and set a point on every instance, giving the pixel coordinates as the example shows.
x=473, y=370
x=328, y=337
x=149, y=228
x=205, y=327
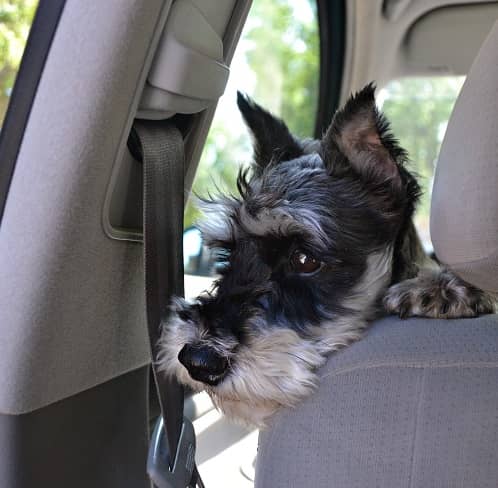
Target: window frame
x=332, y=32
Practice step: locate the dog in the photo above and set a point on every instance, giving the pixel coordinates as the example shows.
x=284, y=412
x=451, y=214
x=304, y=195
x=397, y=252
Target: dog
x=318, y=242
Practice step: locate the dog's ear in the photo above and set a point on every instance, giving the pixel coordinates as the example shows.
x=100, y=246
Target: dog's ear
x=272, y=140
x=361, y=134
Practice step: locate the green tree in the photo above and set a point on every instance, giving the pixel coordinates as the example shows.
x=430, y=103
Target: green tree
x=218, y=166
x=419, y=109
x=285, y=58
x=280, y=48
x=15, y=20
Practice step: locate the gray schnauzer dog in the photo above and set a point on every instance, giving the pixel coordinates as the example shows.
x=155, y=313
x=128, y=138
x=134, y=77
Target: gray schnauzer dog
x=318, y=242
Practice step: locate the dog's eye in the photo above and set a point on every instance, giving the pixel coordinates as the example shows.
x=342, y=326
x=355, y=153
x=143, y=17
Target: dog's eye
x=304, y=263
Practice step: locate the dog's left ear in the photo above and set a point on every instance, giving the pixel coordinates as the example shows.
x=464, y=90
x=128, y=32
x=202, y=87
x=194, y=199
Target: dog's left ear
x=272, y=139
x=361, y=134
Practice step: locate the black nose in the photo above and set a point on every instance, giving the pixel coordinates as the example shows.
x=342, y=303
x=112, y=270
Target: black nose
x=203, y=363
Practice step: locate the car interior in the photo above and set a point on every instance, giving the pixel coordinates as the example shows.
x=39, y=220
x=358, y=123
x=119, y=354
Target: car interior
x=412, y=404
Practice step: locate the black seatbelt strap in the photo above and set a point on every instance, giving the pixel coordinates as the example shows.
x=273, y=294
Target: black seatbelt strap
x=171, y=461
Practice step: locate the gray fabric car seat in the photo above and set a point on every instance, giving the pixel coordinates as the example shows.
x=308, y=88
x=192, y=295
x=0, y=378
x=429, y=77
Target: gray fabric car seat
x=415, y=403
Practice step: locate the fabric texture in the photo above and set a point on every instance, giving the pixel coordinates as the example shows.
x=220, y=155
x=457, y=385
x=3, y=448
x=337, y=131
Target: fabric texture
x=72, y=312
x=414, y=404
x=464, y=215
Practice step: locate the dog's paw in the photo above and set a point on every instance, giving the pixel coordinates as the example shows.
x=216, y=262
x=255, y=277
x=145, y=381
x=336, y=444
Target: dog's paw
x=437, y=294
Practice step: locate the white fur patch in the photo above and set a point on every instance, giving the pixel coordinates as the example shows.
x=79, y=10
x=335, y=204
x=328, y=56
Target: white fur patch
x=275, y=369
x=175, y=334
x=375, y=279
x=335, y=334
x=216, y=226
x=282, y=220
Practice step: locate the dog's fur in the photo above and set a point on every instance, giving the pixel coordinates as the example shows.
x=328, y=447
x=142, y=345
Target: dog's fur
x=345, y=201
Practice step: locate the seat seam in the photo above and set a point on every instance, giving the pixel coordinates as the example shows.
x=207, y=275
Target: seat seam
x=416, y=427
x=482, y=260
x=414, y=364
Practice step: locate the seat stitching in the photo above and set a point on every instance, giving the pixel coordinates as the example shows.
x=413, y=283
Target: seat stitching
x=412, y=364
x=416, y=427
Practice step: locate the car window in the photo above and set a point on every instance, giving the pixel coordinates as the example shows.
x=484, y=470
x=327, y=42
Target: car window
x=16, y=17
x=419, y=109
x=276, y=63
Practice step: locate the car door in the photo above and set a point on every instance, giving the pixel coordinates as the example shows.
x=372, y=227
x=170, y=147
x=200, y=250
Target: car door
x=74, y=393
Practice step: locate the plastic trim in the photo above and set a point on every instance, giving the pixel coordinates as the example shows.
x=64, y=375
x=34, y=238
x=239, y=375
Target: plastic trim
x=194, y=126
x=134, y=235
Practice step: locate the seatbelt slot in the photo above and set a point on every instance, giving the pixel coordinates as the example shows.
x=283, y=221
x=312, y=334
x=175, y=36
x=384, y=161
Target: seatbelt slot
x=159, y=460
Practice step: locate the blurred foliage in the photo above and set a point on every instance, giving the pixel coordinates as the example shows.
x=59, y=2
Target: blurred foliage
x=281, y=52
x=419, y=109
x=15, y=21
x=285, y=58
x=217, y=168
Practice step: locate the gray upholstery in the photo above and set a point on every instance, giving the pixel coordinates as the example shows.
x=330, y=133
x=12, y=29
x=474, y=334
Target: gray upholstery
x=464, y=217
x=71, y=299
x=414, y=404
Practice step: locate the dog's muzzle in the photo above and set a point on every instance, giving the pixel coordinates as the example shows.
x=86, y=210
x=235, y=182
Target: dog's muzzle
x=203, y=363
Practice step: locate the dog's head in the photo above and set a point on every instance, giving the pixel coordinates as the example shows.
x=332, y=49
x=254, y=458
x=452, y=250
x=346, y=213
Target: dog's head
x=305, y=250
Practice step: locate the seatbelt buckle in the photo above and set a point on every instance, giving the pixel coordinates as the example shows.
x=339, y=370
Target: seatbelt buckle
x=158, y=461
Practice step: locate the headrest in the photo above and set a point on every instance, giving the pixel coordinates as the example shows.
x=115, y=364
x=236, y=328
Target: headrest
x=464, y=215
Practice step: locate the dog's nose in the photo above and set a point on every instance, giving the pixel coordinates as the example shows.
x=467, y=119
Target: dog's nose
x=203, y=363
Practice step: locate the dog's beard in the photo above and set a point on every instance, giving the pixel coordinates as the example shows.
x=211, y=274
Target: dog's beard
x=275, y=366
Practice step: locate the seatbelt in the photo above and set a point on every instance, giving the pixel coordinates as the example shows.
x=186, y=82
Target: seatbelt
x=171, y=460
